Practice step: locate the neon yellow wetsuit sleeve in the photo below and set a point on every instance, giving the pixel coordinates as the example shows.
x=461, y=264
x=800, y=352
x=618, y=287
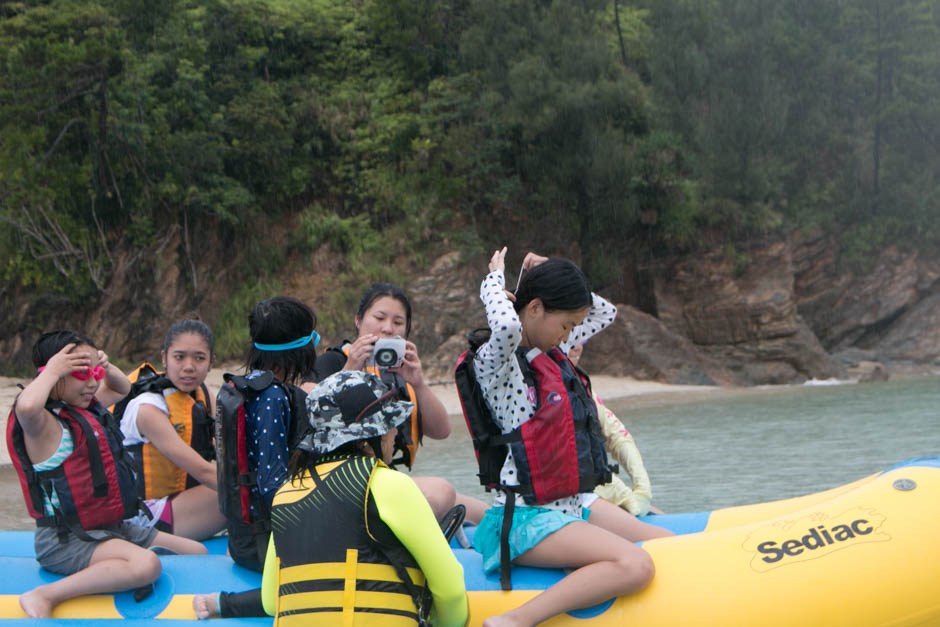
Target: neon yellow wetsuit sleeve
x=623, y=449
x=402, y=507
x=269, y=579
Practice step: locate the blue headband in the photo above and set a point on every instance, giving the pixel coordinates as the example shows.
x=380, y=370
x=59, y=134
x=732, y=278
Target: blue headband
x=299, y=343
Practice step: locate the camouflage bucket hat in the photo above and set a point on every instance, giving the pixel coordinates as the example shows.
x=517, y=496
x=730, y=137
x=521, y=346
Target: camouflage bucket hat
x=348, y=406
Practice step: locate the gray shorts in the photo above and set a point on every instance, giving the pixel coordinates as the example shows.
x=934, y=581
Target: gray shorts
x=73, y=555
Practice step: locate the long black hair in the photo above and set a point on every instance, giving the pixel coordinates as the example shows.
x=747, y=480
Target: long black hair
x=377, y=291
x=280, y=320
x=52, y=342
x=558, y=283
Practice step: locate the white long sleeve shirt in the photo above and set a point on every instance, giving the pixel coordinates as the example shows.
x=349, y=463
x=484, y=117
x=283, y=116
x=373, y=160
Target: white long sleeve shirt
x=500, y=377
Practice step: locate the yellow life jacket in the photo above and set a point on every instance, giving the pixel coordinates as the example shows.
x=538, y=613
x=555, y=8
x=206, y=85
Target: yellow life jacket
x=157, y=476
x=338, y=564
x=409, y=432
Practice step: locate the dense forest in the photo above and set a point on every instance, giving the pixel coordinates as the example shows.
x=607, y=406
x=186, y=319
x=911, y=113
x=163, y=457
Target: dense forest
x=391, y=130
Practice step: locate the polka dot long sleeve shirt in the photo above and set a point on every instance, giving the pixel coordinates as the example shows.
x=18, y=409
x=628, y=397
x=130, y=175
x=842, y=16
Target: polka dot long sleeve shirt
x=500, y=377
x=267, y=419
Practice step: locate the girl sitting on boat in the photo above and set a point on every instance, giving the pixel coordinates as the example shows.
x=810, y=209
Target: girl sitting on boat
x=385, y=312
x=540, y=499
x=78, y=485
x=264, y=421
x=167, y=427
x=353, y=529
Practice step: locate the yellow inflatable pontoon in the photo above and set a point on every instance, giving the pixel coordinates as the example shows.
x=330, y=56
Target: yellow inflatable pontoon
x=864, y=554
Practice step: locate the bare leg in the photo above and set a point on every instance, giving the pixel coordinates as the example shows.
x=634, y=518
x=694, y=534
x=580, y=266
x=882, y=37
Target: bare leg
x=475, y=507
x=606, y=566
x=196, y=513
x=115, y=565
x=439, y=492
x=177, y=544
x=610, y=517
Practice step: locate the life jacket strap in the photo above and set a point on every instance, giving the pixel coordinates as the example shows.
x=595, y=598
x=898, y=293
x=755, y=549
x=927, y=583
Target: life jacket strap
x=349, y=587
x=505, y=573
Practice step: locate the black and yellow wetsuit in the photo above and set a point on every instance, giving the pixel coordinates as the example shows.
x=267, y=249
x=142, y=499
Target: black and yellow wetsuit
x=335, y=537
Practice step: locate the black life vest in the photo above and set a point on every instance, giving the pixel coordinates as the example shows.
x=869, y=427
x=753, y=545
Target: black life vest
x=157, y=476
x=237, y=480
x=338, y=562
x=559, y=451
x=94, y=484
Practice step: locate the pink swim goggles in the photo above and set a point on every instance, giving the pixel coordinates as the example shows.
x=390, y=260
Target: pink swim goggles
x=83, y=375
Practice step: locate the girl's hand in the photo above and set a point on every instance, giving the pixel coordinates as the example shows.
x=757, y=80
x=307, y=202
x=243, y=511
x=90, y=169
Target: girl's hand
x=115, y=383
x=410, y=369
x=103, y=360
x=574, y=353
x=65, y=362
x=38, y=424
x=498, y=260
x=531, y=260
x=360, y=351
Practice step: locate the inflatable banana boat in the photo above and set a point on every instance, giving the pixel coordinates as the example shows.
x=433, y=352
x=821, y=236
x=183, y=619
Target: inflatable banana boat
x=867, y=553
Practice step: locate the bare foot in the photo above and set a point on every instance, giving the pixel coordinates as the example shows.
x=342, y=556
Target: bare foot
x=35, y=605
x=205, y=606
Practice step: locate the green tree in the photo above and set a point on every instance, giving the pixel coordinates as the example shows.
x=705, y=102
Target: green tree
x=554, y=122
x=58, y=183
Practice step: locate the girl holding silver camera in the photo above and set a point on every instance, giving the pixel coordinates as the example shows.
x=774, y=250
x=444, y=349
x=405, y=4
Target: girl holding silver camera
x=383, y=321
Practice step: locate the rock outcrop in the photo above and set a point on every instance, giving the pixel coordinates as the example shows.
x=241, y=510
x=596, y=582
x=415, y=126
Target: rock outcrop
x=864, y=308
x=740, y=309
x=746, y=317
x=640, y=346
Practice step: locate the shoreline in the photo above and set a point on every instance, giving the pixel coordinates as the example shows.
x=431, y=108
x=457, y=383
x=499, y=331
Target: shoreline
x=606, y=387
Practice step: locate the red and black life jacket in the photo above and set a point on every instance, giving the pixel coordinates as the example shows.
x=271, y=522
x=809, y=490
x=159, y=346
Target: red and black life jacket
x=94, y=484
x=559, y=451
x=239, y=499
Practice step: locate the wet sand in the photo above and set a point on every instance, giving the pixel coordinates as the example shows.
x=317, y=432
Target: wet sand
x=13, y=512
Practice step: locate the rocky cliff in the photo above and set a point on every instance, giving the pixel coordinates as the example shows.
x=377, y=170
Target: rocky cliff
x=781, y=310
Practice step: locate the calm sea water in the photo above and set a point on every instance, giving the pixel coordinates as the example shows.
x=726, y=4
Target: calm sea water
x=730, y=448
x=753, y=445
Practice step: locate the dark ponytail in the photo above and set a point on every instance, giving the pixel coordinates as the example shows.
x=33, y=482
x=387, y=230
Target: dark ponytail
x=558, y=283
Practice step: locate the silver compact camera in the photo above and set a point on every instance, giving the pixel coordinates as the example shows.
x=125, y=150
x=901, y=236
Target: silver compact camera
x=388, y=352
